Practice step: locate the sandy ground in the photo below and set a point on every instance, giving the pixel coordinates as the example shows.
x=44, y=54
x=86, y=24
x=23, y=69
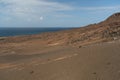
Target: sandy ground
x=54, y=62
x=78, y=54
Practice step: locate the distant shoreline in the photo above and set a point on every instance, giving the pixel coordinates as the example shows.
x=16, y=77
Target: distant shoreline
x=9, y=32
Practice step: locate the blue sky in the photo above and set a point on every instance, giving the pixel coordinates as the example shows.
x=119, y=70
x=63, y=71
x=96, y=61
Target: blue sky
x=55, y=13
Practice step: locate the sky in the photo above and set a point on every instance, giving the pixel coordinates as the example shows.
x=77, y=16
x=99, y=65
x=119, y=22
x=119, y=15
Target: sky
x=55, y=13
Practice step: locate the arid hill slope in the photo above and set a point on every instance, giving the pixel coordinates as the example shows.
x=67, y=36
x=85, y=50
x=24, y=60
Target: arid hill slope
x=48, y=56
x=104, y=31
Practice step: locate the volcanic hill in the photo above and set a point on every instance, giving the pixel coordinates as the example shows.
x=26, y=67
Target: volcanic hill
x=101, y=32
x=56, y=55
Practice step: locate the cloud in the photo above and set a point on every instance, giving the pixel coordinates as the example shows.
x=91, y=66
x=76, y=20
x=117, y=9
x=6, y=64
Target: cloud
x=99, y=8
x=31, y=8
x=41, y=18
x=24, y=9
x=31, y=12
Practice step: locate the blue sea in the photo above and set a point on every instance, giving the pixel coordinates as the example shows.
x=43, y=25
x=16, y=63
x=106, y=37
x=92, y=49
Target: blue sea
x=26, y=31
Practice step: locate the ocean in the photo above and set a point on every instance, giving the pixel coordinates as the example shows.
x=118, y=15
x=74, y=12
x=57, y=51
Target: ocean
x=5, y=32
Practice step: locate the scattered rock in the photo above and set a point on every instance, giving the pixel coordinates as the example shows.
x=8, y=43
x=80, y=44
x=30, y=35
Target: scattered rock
x=48, y=59
x=108, y=63
x=31, y=72
x=80, y=46
x=94, y=73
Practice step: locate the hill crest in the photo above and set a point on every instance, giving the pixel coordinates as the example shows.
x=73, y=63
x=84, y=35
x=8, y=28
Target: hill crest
x=104, y=31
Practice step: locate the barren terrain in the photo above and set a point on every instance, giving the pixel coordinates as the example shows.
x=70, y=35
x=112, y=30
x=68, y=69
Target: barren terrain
x=86, y=53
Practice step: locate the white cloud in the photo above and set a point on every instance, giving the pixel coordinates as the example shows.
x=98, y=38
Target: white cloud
x=36, y=8
x=31, y=12
x=31, y=8
x=41, y=18
x=100, y=8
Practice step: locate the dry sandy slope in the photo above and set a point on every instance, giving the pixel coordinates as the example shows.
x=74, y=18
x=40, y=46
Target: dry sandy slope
x=93, y=62
x=56, y=55
x=107, y=30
